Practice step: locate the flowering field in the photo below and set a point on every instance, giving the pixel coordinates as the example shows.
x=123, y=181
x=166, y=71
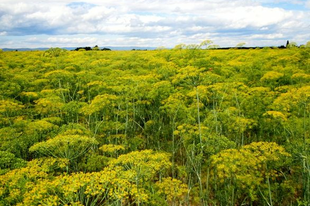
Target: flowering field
x=164, y=127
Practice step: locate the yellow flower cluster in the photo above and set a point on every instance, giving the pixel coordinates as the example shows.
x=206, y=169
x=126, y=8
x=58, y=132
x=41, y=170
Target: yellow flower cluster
x=173, y=189
x=110, y=148
x=99, y=103
x=16, y=182
x=276, y=115
x=65, y=146
x=48, y=105
x=30, y=95
x=58, y=74
x=248, y=167
x=272, y=76
x=145, y=164
x=97, y=188
x=41, y=126
x=293, y=100
x=122, y=182
x=9, y=106
x=49, y=164
x=301, y=77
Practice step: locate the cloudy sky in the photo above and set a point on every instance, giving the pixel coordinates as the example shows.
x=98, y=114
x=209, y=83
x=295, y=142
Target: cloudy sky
x=154, y=23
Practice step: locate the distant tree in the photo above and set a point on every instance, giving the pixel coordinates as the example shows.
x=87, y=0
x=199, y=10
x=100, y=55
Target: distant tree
x=308, y=44
x=291, y=45
x=83, y=49
x=106, y=49
x=96, y=48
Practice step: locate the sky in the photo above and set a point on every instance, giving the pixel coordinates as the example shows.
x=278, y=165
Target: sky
x=152, y=23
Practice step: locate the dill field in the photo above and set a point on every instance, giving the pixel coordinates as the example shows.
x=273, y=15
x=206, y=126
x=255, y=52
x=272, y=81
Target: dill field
x=163, y=127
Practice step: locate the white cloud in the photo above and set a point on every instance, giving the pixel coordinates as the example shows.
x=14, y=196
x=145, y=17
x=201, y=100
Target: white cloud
x=72, y=41
x=241, y=17
x=152, y=22
x=267, y=36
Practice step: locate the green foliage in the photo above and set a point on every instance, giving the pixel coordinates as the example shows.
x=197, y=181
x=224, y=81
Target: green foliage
x=8, y=161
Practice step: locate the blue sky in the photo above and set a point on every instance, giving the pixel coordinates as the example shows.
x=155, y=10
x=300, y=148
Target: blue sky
x=154, y=23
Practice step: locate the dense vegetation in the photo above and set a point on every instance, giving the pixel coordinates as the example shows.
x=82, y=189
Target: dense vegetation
x=166, y=127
